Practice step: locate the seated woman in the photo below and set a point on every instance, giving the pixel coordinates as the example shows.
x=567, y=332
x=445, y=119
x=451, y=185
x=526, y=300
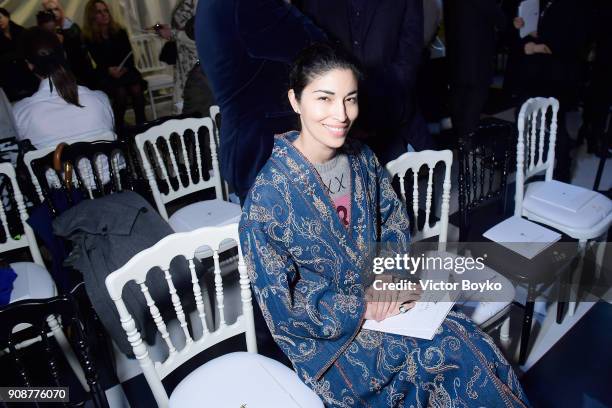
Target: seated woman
x=319, y=205
x=110, y=48
x=60, y=111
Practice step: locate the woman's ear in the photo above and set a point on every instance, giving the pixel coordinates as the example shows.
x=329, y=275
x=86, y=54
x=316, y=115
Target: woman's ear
x=293, y=101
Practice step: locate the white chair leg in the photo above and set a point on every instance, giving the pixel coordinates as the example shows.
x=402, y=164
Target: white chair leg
x=72, y=359
x=504, y=333
x=599, y=254
x=152, y=103
x=576, y=278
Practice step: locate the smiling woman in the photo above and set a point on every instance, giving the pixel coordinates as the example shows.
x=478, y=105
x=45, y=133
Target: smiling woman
x=317, y=209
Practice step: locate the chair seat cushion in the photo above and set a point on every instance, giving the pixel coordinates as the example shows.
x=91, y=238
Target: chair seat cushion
x=566, y=204
x=33, y=282
x=159, y=81
x=243, y=380
x=209, y=213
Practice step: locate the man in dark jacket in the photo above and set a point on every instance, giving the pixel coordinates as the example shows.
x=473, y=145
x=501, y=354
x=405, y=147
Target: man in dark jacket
x=471, y=27
x=386, y=37
x=246, y=48
x=548, y=63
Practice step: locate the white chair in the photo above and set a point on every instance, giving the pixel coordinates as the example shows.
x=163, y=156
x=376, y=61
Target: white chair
x=215, y=115
x=485, y=314
x=232, y=380
x=158, y=75
x=189, y=155
x=33, y=280
x=580, y=213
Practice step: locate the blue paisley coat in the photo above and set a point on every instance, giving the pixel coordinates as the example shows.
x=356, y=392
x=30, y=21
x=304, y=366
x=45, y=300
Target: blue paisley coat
x=305, y=268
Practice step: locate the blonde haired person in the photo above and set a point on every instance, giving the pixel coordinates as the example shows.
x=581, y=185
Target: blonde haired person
x=110, y=48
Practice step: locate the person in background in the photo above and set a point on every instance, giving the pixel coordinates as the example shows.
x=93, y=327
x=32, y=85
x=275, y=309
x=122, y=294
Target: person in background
x=60, y=111
x=245, y=48
x=306, y=249
x=110, y=48
x=598, y=98
x=15, y=78
x=548, y=63
x=73, y=44
x=471, y=28
x=46, y=21
x=386, y=37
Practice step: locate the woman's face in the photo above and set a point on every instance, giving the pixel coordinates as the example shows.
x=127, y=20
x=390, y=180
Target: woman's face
x=327, y=108
x=55, y=8
x=102, y=14
x=4, y=22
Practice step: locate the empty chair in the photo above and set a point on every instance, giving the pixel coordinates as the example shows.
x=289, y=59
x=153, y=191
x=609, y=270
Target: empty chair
x=232, y=380
x=178, y=162
x=484, y=163
x=485, y=314
x=579, y=213
x=40, y=315
x=158, y=75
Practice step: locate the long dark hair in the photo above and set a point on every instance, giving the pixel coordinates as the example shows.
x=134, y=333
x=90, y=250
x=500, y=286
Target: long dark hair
x=44, y=51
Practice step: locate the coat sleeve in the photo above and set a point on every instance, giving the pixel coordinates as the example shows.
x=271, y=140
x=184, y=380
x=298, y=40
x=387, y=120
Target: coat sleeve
x=297, y=301
x=274, y=30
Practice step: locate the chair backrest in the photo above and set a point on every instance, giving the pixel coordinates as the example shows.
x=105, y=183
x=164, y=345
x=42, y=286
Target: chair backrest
x=484, y=162
x=175, y=153
x=146, y=48
x=160, y=256
x=21, y=235
x=41, y=316
x=535, y=148
x=98, y=169
x=414, y=161
x=215, y=115
x=38, y=153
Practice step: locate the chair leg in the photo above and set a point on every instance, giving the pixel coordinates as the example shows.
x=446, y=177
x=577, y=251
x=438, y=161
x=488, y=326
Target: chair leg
x=526, y=329
x=152, y=103
x=576, y=278
x=72, y=359
x=599, y=254
x=504, y=333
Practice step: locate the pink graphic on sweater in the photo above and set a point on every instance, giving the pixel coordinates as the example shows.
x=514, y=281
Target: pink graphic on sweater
x=343, y=207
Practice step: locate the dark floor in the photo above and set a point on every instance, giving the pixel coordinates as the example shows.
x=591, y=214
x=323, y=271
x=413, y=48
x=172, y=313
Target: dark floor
x=577, y=371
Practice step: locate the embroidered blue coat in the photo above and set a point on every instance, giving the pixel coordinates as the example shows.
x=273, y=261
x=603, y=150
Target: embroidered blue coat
x=305, y=267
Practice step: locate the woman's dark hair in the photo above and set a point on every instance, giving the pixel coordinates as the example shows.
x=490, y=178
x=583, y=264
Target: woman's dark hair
x=44, y=17
x=317, y=60
x=44, y=51
x=5, y=12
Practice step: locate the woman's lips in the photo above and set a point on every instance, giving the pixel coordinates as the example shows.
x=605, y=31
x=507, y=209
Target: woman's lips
x=338, y=131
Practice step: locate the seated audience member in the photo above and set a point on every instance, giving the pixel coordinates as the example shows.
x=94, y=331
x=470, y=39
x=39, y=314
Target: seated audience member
x=60, y=111
x=305, y=245
x=110, y=48
x=46, y=21
x=548, y=63
x=76, y=52
x=15, y=77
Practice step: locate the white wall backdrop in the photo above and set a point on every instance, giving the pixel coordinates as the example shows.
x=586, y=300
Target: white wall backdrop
x=134, y=14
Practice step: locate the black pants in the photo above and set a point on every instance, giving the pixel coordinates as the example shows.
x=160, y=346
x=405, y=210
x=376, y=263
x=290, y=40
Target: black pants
x=467, y=103
x=598, y=101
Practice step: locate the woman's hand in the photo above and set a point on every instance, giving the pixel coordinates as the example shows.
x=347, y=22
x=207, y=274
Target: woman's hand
x=116, y=72
x=385, y=303
x=533, y=48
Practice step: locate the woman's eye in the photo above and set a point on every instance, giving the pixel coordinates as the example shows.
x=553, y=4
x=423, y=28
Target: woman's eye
x=323, y=98
x=352, y=99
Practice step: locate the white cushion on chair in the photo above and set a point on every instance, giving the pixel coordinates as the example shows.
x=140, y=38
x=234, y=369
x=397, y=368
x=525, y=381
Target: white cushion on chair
x=159, y=81
x=243, y=379
x=591, y=207
x=209, y=213
x=33, y=282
